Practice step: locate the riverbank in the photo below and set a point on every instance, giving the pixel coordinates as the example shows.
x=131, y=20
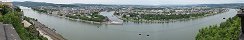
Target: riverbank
x=46, y=32
x=82, y=20
x=92, y=17
x=186, y=30
x=44, y=35
x=167, y=21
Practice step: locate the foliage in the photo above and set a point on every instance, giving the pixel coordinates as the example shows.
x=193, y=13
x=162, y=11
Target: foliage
x=228, y=30
x=93, y=17
x=17, y=9
x=14, y=17
x=38, y=10
x=4, y=9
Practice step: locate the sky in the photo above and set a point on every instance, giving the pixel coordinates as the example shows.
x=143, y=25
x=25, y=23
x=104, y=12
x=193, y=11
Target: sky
x=137, y=2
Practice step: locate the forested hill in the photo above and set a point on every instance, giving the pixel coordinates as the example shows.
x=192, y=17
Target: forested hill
x=34, y=4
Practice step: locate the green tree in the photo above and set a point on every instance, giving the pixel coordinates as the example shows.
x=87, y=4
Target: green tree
x=228, y=30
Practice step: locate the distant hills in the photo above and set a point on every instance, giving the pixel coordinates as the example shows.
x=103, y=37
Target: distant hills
x=230, y=5
x=34, y=4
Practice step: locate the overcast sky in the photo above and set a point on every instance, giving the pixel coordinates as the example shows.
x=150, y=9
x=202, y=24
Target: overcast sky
x=138, y=2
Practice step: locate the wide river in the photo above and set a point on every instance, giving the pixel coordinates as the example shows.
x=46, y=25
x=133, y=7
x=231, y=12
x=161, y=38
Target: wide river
x=181, y=30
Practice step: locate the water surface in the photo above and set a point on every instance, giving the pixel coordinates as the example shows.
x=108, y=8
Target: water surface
x=73, y=30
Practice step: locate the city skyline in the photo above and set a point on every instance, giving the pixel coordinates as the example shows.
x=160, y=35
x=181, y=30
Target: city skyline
x=139, y=2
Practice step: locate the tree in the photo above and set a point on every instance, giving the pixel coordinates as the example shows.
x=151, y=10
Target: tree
x=228, y=30
x=14, y=18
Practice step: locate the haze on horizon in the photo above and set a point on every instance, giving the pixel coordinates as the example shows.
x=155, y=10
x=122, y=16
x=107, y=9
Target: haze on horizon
x=137, y=2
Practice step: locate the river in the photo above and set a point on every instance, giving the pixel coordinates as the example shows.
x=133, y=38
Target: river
x=181, y=30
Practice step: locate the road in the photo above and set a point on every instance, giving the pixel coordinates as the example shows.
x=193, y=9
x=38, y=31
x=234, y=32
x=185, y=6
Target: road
x=50, y=32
